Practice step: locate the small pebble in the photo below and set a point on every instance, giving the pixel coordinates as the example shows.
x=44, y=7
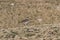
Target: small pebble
x=12, y=4
x=39, y=20
x=58, y=7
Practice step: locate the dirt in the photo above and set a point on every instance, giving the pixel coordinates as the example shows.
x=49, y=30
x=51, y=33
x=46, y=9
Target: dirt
x=29, y=19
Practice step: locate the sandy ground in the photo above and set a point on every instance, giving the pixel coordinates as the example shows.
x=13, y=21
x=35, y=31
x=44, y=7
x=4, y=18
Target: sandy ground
x=29, y=19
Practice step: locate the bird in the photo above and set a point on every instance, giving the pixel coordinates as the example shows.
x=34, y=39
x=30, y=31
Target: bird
x=25, y=21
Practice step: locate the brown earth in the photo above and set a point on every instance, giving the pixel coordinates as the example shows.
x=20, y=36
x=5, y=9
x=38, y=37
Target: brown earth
x=43, y=14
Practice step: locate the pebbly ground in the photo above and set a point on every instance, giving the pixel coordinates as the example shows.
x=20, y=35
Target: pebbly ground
x=29, y=19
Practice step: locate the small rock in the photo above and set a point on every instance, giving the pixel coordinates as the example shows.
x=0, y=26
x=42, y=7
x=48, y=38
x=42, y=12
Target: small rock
x=17, y=37
x=12, y=4
x=39, y=20
x=58, y=7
